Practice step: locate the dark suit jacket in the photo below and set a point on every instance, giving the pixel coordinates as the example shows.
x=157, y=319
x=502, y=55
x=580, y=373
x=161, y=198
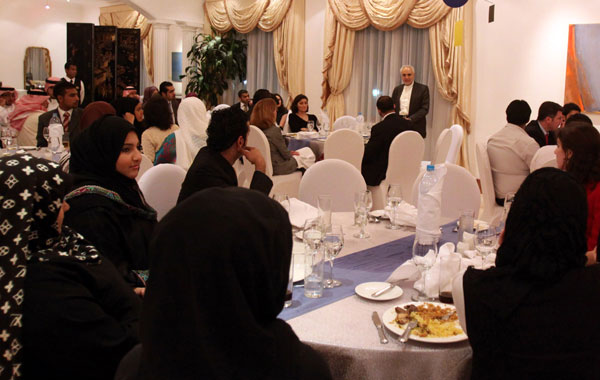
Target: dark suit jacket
x=418, y=107
x=238, y=105
x=375, y=159
x=533, y=130
x=211, y=169
x=175, y=104
x=44, y=121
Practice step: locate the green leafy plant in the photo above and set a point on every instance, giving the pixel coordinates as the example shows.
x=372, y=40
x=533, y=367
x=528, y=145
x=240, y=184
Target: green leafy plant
x=214, y=61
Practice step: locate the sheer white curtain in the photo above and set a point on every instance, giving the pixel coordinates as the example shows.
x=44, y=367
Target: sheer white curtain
x=378, y=57
x=260, y=68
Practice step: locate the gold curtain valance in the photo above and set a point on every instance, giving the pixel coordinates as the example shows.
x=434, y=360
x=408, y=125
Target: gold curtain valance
x=267, y=15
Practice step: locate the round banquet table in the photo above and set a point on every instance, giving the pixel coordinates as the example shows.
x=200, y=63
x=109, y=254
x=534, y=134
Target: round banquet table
x=344, y=334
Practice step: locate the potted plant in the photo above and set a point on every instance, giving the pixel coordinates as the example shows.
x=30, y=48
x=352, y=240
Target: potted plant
x=215, y=59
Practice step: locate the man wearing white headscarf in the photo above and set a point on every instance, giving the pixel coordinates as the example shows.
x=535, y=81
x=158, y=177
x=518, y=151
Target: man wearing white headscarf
x=8, y=96
x=49, y=88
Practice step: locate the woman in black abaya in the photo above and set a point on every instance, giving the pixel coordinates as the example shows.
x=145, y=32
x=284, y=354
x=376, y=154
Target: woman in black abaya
x=219, y=264
x=107, y=206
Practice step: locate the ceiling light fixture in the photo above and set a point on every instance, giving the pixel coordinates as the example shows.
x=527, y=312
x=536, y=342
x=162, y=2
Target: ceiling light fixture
x=47, y=5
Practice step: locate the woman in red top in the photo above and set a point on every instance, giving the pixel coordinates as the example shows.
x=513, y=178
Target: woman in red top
x=578, y=152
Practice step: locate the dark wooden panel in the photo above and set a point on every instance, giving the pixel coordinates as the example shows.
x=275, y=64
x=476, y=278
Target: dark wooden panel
x=105, y=53
x=128, y=59
x=80, y=50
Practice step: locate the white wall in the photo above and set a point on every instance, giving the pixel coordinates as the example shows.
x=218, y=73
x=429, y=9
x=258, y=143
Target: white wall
x=522, y=55
x=313, y=42
x=26, y=23
x=177, y=10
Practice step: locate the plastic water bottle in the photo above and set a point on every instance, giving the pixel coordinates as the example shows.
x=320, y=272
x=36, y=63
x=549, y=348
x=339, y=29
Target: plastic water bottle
x=361, y=122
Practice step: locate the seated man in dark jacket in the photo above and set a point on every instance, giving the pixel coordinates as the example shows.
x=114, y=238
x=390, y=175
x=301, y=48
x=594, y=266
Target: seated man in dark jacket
x=213, y=165
x=375, y=159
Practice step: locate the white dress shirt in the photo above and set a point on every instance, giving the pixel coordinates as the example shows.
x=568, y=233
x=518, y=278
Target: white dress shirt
x=510, y=150
x=405, y=99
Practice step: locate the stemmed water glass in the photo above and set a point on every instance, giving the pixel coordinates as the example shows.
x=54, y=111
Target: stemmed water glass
x=424, y=255
x=363, y=201
x=394, y=199
x=486, y=242
x=313, y=269
x=46, y=134
x=333, y=241
x=6, y=137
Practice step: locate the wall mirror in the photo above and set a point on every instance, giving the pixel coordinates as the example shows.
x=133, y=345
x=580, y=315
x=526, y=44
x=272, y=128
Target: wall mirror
x=37, y=66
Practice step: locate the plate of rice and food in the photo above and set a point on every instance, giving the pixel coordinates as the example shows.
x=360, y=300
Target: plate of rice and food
x=436, y=322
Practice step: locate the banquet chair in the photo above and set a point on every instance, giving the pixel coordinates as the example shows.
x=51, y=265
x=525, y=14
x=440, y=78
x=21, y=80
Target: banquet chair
x=457, y=138
x=544, y=157
x=346, y=145
x=345, y=122
x=27, y=134
x=442, y=147
x=459, y=191
x=286, y=125
x=490, y=207
x=221, y=107
x=161, y=185
x=282, y=184
x=404, y=164
x=145, y=164
x=335, y=177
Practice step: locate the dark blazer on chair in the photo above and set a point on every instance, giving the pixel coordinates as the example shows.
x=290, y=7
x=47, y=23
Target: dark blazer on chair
x=418, y=108
x=533, y=130
x=175, y=104
x=44, y=121
x=375, y=159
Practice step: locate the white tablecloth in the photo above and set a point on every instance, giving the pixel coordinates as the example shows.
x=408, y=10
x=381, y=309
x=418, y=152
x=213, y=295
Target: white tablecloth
x=344, y=334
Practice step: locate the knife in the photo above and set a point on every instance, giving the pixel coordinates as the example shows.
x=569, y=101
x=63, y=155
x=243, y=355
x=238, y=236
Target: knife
x=378, y=325
x=382, y=291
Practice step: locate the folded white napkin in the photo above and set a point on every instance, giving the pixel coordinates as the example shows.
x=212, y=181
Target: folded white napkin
x=308, y=135
x=300, y=211
x=406, y=214
x=409, y=271
x=305, y=158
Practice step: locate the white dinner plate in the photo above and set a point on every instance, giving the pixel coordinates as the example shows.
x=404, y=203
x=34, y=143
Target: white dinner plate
x=366, y=289
x=27, y=147
x=389, y=317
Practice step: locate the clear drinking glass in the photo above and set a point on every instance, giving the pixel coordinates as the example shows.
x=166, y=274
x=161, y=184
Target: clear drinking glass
x=284, y=200
x=363, y=201
x=466, y=223
x=486, y=242
x=310, y=125
x=290, y=286
x=46, y=134
x=324, y=206
x=424, y=254
x=5, y=136
x=394, y=199
x=334, y=242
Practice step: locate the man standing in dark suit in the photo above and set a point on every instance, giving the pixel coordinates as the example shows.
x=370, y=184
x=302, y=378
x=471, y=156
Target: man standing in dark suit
x=167, y=90
x=411, y=100
x=375, y=159
x=543, y=129
x=67, y=111
x=244, y=103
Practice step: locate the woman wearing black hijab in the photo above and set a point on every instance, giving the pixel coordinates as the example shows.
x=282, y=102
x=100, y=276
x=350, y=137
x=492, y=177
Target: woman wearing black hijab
x=107, y=206
x=219, y=264
x=66, y=311
x=535, y=314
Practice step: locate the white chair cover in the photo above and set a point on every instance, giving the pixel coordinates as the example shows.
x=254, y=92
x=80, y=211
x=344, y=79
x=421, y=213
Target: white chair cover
x=161, y=185
x=27, y=134
x=220, y=107
x=345, y=122
x=457, y=138
x=346, y=145
x=144, y=166
x=490, y=207
x=335, y=177
x=544, y=157
x=442, y=147
x=459, y=191
x=282, y=184
x=286, y=125
x=404, y=162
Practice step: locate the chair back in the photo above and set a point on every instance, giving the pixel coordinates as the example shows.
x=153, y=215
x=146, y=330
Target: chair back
x=335, y=177
x=346, y=145
x=404, y=162
x=543, y=158
x=459, y=191
x=457, y=138
x=161, y=185
x=442, y=147
x=286, y=125
x=221, y=107
x=145, y=164
x=345, y=122
x=490, y=208
x=258, y=140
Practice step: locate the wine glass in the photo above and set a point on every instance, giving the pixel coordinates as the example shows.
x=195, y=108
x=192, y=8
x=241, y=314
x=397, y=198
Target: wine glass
x=486, y=242
x=333, y=241
x=394, y=199
x=310, y=125
x=46, y=134
x=424, y=255
x=363, y=201
x=5, y=136
x=313, y=233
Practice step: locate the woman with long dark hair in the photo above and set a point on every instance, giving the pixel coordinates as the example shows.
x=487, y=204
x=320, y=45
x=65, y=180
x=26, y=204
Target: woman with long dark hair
x=300, y=117
x=158, y=119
